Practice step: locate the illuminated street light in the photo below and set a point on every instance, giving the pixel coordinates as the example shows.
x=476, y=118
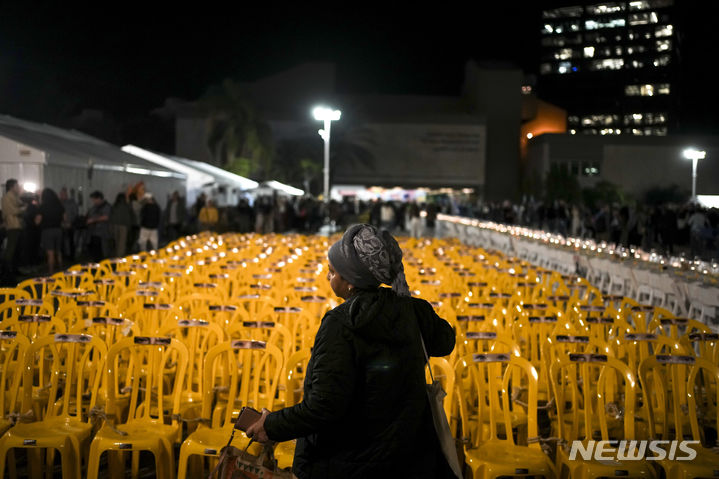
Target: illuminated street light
x=694, y=155
x=328, y=115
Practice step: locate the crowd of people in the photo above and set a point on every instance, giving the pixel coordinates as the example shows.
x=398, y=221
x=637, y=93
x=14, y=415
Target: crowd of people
x=47, y=231
x=670, y=229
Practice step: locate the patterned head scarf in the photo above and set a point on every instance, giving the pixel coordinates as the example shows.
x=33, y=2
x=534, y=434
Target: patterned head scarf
x=367, y=257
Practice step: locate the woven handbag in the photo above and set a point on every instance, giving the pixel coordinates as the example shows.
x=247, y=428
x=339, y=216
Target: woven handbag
x=436, y=396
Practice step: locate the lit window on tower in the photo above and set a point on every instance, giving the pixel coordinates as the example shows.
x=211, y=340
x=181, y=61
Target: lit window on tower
x=604, y=8
x=588, y=52
x=565, y=12
x=664, y=31
x=608, y=23
x=608, y=64
x=647, y=89
x=564, y=54
x=662, y=61
x=664, y=45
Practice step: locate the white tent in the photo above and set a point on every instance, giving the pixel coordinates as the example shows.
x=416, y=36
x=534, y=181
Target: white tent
x=197, y=180
x=40, y=156
x=270, y=187
x=227, y=188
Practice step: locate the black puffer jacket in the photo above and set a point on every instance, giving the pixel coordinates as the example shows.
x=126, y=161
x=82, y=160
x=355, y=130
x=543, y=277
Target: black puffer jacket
x=365, y=412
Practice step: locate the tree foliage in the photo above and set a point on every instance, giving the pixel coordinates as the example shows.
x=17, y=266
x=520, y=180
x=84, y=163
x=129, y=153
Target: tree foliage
x=239, y=139
x=560, y=184
x=603, y=193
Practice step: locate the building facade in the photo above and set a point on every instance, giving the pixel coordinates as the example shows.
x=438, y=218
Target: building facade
x=614, y=66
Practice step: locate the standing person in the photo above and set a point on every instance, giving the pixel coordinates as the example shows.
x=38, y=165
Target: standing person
x=136, y=206
x=150, y=215
x=122, y=217
x=68, y=225
x=414, y=221
x=98, y=227
x=387, y=216
x=209, y=216
x=175, y=214
x=12, y=211
x=365, y=412
x=697, y=223
x=430, y=220
x=50, y=217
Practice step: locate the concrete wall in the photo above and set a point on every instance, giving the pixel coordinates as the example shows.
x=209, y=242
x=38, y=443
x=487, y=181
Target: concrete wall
x=495, y=91
x=636, y=164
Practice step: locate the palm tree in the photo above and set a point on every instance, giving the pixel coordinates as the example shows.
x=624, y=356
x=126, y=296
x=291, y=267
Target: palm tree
x=240, y=141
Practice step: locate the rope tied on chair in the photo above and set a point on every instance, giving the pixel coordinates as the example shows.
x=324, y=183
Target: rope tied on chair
x=98, y=414
x=516, y=394
x=201, y=420
x=545, y=443
x=614, y=410
x=16, y=417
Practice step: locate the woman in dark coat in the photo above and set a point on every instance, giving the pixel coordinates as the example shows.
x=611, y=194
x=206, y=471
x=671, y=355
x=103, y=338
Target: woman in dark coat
x=365, y=412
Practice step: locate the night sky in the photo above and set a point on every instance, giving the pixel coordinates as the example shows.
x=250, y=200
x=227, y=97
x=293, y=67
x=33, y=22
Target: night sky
x=58, y=59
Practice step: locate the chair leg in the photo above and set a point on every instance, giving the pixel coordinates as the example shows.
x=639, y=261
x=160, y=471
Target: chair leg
x=34, y=462
x=70, y=463
x=135, y=464
x=11, y=464
x=116, y=464
x=183, y=463
x=93, y=462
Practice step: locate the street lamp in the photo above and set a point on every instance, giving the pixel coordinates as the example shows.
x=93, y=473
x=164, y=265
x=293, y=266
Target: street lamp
x=328, y=115
x=695, y=156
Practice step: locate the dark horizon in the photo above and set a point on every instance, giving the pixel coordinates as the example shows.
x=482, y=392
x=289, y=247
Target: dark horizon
x=58, y=61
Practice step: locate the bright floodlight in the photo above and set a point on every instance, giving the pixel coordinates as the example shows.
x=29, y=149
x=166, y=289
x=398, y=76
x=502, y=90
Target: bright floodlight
x=29, y=187
x=321, y=113
x=692, y=154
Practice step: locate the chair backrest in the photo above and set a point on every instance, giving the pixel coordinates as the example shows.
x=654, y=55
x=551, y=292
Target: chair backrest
x=486, y=384
x=151, y=316
x=13, y=347
x=702, y=344
x=295, y=369
x=671, y=385
x=152, y=370
x=84, y=310
x=34, y=326
x=10, y=294
x=241, y=373
x=38, y=288
x=588, y=389
x=199, y=336
x=70, y=368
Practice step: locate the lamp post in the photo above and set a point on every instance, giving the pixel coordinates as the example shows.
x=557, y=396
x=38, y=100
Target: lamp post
x=328, y=115
x=695, y=156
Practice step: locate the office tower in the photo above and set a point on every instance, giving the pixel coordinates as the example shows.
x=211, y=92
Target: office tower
x=614, y=66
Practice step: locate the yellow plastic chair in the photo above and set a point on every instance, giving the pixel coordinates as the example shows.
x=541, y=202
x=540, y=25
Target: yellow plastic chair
x=292, y=381
x=237, y=373
x=12, y=359
x=199, y=336
x=149, y=317
x=77, y=364
x=34, y=326
x=156, y=371
x=675, y=385
x=38, y=288
x=597, y=392
x=83, y=311
x=11, y=294
x=491, y=450
x=11, y=310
